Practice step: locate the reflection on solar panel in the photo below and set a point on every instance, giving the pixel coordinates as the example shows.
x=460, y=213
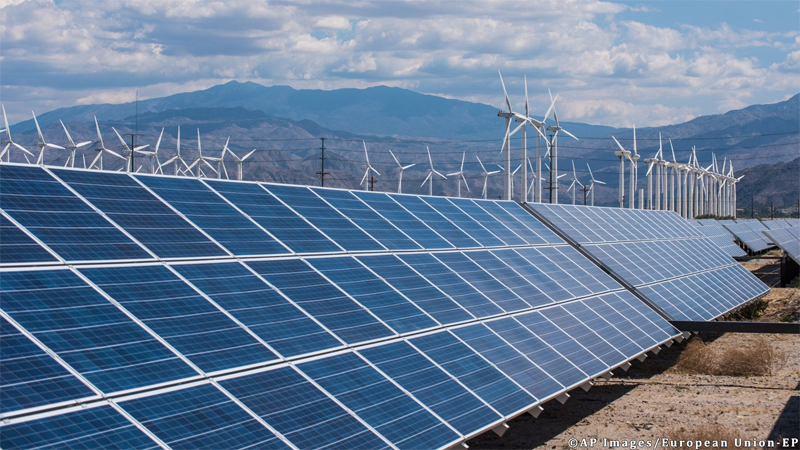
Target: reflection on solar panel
x=233, y=314
x=788, y=239
x=662, y=256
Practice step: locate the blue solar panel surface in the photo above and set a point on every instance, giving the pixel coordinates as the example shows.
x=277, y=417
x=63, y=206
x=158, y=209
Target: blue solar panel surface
x=459, y=313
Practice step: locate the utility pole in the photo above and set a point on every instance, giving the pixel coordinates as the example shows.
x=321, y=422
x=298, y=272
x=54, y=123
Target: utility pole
x=585, y=190
x=372, y=182
x=752, y=208
x=771, y=211
x=322, y=172
x=134, y=134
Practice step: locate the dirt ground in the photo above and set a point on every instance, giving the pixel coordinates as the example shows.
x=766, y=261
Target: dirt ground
x=656, y=399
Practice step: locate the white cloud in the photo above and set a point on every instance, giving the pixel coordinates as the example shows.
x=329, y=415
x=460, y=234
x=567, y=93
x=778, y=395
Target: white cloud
x=333, y=23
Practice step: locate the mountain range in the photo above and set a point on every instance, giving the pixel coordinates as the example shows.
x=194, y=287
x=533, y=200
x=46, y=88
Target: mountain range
x=285, y=126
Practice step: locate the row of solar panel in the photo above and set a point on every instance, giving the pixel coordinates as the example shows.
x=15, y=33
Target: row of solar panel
x=720, y=236
x=788, y=240
x=750, y=233
x=222, y=316
x=175, y=217
x=689, y=278
x=428, y=391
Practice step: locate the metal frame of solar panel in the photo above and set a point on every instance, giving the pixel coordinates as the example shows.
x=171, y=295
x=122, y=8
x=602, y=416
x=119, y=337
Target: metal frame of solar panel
x=375, y=320
x=720, y=236
x=749, y=233
x=663, y=258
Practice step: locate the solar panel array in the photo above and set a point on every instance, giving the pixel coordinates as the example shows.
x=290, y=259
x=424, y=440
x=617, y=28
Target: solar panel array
x=145, y=311
x=750, y=233
x=787, y=239
x=662, y=256
x=719, y=235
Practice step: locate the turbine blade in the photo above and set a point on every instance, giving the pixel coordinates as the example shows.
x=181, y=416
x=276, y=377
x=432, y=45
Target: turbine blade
x=508, y=103
x=121, y=140
x=69, y=138
x=618, y=144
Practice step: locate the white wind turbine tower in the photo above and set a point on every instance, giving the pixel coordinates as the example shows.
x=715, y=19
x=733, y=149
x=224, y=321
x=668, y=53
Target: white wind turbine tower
x=42, y=144
x=72, y=147
x=102, y=149
x=175, y=159
x=431, y=172
x=128, y=152
x=554, y=151
x=539, y=127
x=506, y=142
x=651, y=162
x=369, y=167
x=239, y=161
x=574, y=181
x=458, y=174
x=554, y=185
x=592, y=182
x=734, y=181
x=486, y=176
x=622, y=154
x=634, y=160
x=522, y=196
x=403, y=168
x=221, y=160
x=676, y=180
x=9, y=142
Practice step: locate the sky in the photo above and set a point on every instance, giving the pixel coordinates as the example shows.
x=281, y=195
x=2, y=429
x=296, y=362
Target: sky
x=610, y=62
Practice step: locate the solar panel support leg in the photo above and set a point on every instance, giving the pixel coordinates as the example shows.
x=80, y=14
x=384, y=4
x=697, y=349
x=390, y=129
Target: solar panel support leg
x=655, y=350
x=679, y=339
x=586, y=386
x=501, y=429
x=668, y=344
x=625, y=366
x=607, y=376
x=642, y=357
x=562, y=398
x=535, y=411
x=687, y=335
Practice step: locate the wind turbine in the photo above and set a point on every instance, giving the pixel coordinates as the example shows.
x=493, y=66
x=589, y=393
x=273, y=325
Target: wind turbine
x=634, y=173
x=506, y=141
x=538, y=126
x=221, y=160
x=486, y=175
x=651, y=162
x=554, y=150
x=200, y=158
x=460, y=173
x=402, y=169
x=102, y=148
x=574, y=181
x=239, y=161
x=72, y=147
x=9, y=142
x=175, y=159
x=554, y=185
x=431, y=172
x=622, y=154
x=370, y=168
x=512, y=181
x=128, y=152
x=42, y=144
x=156, y=165
x=591, y=184
x=677, y=203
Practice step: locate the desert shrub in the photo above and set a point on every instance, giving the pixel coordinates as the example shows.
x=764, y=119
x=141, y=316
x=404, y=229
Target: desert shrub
x=704, y=432
x=754, y=357
x=752, y=311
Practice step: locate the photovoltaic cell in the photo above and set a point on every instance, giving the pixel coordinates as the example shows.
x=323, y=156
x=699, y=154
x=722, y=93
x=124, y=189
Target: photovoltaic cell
x=511, y=279
x=101, y=427
x=417, y=289
x=530, y=222
x=372, y=292
x=183, y=318
x=483, y=378
x=214, y=215
x=301, y=412
x=381, y=404
x=473, y=228
x=141, y=214
x=405, y=221
x=321, y=299
x=432, y=386
x=367, y=219
x=430, y=217
x=29, y=377
x=513, y=363
x=18, y=247
x=584, y=335
x=267, y=211
x=87, y=331
x=473, y=209
x=200, y=417
x=324, y=217
x=483, y=281
x=60, y=219
x=451, y=284
x=254, y=303
x=547, y=289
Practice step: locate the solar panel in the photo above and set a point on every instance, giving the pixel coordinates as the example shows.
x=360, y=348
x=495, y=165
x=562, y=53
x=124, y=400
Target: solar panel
x=215, y=216
x=749, y=233
x=662, y=256
x=330, y=318
x=60, y=219
x=787, y=241
x=719, y=235
x=18, y=247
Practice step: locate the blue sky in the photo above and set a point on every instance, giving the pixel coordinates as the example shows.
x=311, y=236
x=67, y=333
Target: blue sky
x=612, y=63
